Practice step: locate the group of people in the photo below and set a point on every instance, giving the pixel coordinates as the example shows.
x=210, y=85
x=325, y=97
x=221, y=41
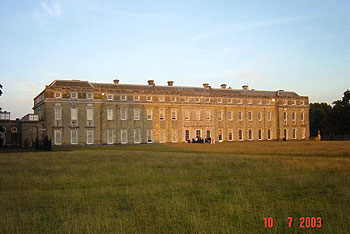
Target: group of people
x=201, y=140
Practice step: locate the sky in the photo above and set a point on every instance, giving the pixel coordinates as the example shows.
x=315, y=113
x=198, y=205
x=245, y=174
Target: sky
x=301, y=46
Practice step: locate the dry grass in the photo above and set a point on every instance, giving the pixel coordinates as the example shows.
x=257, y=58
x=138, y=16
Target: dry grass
x=145, y=189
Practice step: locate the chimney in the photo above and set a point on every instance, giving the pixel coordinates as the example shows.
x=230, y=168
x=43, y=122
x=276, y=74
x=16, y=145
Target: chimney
x=170, y=83
x=223, y=86
x=150, y=82
x=245, y=87
x=206, y=85
x=116, y=81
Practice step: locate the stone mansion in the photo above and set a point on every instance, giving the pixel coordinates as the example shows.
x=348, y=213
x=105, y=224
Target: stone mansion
x=75, y=112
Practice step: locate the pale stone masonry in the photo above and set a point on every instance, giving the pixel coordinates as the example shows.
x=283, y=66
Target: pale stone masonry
x=78, y=112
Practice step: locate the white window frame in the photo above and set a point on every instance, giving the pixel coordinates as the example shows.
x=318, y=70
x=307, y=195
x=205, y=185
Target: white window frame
x=137, y=135
x=240, y=137
x=149, y=98
x=58, y=112
x=89, y=96
x=230, y=134
x=285, y=116
x=302, y=116
x=125, y=111
x=173, y=99
x=161, y=98
x=250, y=115
x=123, y=141
x=303, y=133
x=250, y=135
x=221, y=135
x=239, y=101
x=122, y=97
x=230, y=115
x=259, y=116
x=250, y=101
x=268, y=102
x=87, y=137
x=294, y=133
x=260, y=134
x=269, y=134
x=285, y=130
x=162, y=114
x=187, y=99
x=57, y=140
x=240, y=116
x=136, y=98
x=302, y=103
x=269, y=116
x=197, y=99
x=198, y=115
x=220, y=115
x=149, y=136
x=109, y=97
x=219, y=100
x=259, y=102
x=162, y=136
x=72, y=110
x=294, y=116
x=58, y=95
x=75, y=93
x=173, y=115
x=89, y=117
x=187, y=114
x=136, y=114
x=173, y=135
x=74, y=140
x=229, y=100
x=207, y=100
x=149, y=114
x=110, y=132
x=109, y=114
x=294, y=102
x=208, y=115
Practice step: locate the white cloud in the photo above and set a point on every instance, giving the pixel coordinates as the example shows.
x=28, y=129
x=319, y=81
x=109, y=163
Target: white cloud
x=47, y=10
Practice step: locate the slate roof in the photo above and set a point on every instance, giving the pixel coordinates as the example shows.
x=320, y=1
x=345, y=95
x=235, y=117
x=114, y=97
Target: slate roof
x=175, y=89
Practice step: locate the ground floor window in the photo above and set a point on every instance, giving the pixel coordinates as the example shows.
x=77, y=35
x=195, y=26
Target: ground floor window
x=208, y=134
x=89, y=137
x=110, y=136
x=123, y=136
x=303, y=135
x=230, y=136
x=162, y=137
x=173, y=135
x=149, y=136
x=240, y=135
x=187, y=135
x=220, y=136
x=269, y=134
x=259, y=134
x=294, y=131
x=285, y=133
x=137, y=135
x=198, y=133
x=74, y=137
x=57, y=136
x=250, y=134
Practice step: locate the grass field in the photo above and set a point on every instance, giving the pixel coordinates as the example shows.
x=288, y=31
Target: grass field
x=178, y=188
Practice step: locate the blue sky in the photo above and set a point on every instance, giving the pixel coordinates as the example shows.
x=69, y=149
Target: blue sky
x=302, y=46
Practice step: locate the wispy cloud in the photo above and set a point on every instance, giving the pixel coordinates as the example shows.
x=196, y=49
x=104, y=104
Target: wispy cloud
x=248, y=26
x=47, y=10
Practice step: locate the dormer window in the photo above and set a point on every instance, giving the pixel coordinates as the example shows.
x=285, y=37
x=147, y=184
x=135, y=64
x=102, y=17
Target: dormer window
x=187, y=99
x=149, y=98
x=74, y=95
x=136, y=98
x=173, y=99
x=207, y=100
x=229, y=100
x=161, y=98
x=219, y=100
x=109, y=97
x=58, y=95
x=89, y=96
x=123, y=97
x=239, y=101
x=293, y=102
x=250, y=101
x=259, y=101
x=197, y=99
x=268, y=102
x=285, y=102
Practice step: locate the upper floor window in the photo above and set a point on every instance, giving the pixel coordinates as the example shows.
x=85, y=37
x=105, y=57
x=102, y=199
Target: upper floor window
x=187, y=99
x=123, y=114
x=173, y=99
x=250, y=101
x=136, y=114
x=109, y=97
x=285, y=102
x=161, y=98
x=149, y=98
x=250, y=116
x=239, y=101
x=301, y=102
x=58, y=95
x=74, y=113
x=259, y=101
x=198, y=99
x=149, y=114
x=259, y=116
x=207, y=100
x=268, y=102
x=293, y=116
x=173, y=114
x=109, y=114
x=162, y=114
x=219, y=100
x=136, y=98
x=269, y=116
x=229, y=100
x=220, y=115
x=302, y=116
x=187, y=114
x=293, y=102
x=89, y=96
x=207, y=115
x=198, y=115
x=123, y=97
x=285, y=116
x=240, y=116
x=74, y=95
x=230, y=115
x=58, y=112
x=89, y=113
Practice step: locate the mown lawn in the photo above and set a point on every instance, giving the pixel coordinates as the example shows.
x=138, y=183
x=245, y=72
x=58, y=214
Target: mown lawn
x=181, y=188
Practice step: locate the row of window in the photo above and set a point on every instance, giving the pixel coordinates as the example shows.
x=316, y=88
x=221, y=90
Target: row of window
x=136, y=133
x=110, y=97
x=198, y=114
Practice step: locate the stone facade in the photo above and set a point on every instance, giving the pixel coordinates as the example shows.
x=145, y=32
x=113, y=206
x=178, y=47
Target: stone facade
x=80, y=112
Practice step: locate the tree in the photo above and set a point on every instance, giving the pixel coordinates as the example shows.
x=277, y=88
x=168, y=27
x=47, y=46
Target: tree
x=0, y=92
x=341, y=115
x=320, y=118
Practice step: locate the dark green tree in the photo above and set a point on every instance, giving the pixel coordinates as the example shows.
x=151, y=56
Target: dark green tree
x=341, y=115
x=320, y=118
